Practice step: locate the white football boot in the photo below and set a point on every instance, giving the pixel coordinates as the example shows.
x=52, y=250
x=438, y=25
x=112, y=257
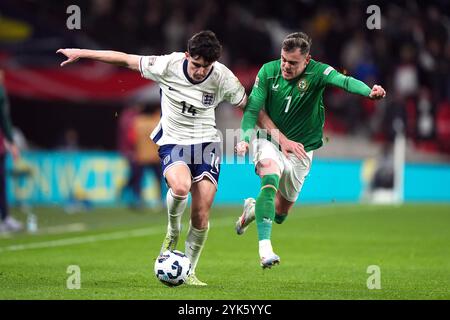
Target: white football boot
x=270, y=261
x=248, y=215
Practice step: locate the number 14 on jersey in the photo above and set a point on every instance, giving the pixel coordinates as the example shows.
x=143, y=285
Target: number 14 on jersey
x=188, y=108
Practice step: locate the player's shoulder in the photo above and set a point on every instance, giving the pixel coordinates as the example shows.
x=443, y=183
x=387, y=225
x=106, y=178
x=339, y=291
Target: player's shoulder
x=271, y=68
x=221, y=70
x=175, y=57
x=222, y=75
x=319, y=67
x=163, y=62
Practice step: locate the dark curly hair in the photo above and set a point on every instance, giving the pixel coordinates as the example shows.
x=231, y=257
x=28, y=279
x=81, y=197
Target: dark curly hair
x=204, y=45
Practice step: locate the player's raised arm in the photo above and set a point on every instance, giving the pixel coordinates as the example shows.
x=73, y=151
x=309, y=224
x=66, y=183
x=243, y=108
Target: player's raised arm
x=130, y=61
x=353, y=85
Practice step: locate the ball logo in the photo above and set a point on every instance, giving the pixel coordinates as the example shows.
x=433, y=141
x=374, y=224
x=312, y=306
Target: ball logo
x=175, y=266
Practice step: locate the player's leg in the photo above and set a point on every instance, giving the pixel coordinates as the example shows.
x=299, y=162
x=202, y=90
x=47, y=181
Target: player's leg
x=179, y=180
x=264, y=151
x=294, y=175
x=282, y=207
x=269, y=172
x=205, y=171
x=203, y=193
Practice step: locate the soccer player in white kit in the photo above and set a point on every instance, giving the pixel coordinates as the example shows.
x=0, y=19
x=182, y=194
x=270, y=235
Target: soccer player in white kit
x=192, y=84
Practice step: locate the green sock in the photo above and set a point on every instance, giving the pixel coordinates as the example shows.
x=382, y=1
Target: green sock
x=265, y=206
x=279, y=218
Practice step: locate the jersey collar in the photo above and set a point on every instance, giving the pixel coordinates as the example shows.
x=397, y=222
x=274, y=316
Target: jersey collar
x=185, y=65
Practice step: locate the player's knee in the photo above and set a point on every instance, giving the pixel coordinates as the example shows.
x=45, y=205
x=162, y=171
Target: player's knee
x=266, y=163
x=266, y=167
x=181, y=189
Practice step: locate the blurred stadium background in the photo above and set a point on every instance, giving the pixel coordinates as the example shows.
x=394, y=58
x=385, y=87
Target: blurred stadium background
x=71, y=122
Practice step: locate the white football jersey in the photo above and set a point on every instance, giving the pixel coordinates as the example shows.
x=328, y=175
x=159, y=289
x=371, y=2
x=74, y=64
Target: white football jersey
x=187, y=107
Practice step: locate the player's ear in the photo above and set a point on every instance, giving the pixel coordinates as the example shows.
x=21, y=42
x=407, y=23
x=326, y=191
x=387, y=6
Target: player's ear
x=308, y=57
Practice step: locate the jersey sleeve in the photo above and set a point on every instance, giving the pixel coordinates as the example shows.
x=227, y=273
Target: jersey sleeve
x=332, y=77
x=259, y=91
x=154, y=67
x=234, y=91
x=255, y=102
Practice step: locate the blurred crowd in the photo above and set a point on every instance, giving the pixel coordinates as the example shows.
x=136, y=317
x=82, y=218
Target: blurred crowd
x=409, y=55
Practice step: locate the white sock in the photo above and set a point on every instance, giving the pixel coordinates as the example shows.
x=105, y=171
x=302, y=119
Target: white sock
x=265, y=248
x=175, y=207
x=195, y=241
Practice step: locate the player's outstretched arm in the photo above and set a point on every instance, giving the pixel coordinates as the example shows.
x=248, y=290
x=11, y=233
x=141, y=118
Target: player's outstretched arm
x=355, y=86
x=130, y=61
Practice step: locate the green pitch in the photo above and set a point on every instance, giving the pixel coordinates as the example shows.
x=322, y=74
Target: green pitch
x=325, y=252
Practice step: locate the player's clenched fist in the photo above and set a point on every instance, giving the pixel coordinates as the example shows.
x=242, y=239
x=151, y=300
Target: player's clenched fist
x=377, y=92
x=241, y=148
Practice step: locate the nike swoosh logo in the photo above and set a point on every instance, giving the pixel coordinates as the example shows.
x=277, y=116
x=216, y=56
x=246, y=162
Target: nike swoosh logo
x=172, y=89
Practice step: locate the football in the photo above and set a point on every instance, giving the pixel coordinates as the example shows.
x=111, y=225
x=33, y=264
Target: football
x=172, y=268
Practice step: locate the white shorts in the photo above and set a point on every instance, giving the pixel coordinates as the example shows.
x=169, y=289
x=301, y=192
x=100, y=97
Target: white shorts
x=293, y=170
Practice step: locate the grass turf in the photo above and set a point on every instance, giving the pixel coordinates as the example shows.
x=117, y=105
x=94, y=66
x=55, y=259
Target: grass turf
x=325, y=252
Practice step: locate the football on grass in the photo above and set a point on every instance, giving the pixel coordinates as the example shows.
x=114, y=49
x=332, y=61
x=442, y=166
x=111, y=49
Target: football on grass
x=172, y=268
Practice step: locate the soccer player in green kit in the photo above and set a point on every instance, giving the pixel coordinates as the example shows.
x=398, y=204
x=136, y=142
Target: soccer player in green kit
x=291, y=91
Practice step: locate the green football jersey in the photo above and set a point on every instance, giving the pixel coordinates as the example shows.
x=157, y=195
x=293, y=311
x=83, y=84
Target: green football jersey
x=296, y=106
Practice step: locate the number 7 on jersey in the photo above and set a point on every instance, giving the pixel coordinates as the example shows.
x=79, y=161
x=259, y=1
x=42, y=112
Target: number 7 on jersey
x=289, y=98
